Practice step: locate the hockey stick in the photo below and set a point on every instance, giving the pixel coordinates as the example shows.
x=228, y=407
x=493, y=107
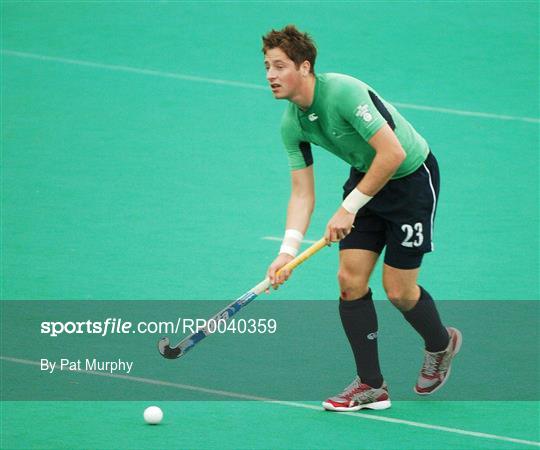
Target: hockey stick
x=189, y=342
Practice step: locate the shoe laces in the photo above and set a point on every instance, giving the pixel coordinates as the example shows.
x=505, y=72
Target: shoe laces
x=351, y=389
x=432, y=363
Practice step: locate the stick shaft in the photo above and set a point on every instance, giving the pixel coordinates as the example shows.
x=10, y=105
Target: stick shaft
x=305, y=255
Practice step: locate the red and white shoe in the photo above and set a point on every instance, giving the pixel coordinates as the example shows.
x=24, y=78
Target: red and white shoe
x=358, y=396
x=436, y=368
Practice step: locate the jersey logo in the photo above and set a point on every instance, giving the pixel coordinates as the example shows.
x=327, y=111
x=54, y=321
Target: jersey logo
x=313, y=117
x=363, y=111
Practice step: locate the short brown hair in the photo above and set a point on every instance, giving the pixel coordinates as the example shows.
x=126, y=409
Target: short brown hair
x=298, y=46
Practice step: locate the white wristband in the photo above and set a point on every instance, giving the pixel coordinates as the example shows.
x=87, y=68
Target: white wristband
x=294, y=234
x=291, y=242
x=355, y=200
x=289, y=250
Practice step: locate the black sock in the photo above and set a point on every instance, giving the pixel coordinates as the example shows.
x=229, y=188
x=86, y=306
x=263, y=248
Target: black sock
x=426, y=321
x=359, y=321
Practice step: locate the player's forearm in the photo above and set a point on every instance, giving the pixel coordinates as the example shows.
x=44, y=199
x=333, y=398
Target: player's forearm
x=383, y=166
x=299, y=212
x=302, y=200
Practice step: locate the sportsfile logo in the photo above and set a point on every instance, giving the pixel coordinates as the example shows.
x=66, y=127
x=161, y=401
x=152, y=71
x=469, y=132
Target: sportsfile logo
x=118, y=326
x=363, y=112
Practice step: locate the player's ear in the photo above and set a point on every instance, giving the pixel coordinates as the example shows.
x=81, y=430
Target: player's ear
x=305, y=68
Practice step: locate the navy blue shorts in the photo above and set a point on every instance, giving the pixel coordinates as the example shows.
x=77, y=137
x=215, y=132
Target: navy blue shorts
x=400, y=217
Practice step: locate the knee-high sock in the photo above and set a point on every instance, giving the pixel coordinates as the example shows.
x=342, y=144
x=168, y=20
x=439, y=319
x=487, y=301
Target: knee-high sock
x=359, y=321
x=425, y=319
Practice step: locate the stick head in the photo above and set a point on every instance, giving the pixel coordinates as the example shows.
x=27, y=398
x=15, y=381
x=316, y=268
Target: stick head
x=167, y=351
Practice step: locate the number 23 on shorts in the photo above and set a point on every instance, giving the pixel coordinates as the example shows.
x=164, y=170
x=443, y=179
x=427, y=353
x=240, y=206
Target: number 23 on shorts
x=414, y=235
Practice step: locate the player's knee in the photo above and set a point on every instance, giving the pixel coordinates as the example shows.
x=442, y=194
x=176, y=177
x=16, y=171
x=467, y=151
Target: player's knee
x=401, y=296
x=394, y=294
x=351, y=285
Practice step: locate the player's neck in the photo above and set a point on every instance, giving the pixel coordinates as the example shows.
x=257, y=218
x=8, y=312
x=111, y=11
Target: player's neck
x=304, y=97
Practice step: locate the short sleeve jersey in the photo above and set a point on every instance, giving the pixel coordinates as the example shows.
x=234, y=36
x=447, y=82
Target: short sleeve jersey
x=343, y=117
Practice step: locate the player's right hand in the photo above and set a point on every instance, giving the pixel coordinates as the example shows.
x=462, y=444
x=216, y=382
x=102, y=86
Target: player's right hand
x=277, y=279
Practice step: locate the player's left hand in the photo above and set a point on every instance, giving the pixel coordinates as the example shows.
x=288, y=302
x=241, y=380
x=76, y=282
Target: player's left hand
x=339, y=226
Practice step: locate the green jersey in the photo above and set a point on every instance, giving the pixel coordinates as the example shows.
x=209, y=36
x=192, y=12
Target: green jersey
x=344, y=115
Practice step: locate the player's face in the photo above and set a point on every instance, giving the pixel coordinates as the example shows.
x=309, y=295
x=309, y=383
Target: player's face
x=282, y=75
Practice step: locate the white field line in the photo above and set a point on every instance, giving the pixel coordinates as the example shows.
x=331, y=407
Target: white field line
x=459, y=112
x=179, y=76
x=117, y=68
x=290, y=404
x=279, y=239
